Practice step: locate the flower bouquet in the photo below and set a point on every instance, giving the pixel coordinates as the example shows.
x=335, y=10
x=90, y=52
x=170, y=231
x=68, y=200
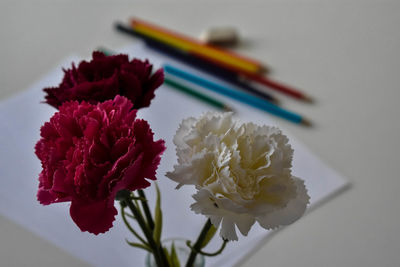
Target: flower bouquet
x=94, y=150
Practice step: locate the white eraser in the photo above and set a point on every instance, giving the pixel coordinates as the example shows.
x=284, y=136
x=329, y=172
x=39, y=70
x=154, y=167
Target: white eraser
x=220, y=36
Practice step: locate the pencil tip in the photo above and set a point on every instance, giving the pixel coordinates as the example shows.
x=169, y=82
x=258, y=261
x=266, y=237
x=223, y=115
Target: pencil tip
x=228, y=109
x=308, y=99
x=306, y=122
x=274, y=101
x=264, y=70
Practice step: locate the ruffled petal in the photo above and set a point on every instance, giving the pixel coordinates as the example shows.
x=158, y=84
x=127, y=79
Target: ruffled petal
x=228, y=231
x=244, y=223
x=196, y=172
x=45, y=197
x=291, y=212
x=96, y=217
x=149, y=88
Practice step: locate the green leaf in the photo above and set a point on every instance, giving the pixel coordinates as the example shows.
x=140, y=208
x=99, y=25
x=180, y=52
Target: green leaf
x=168, y=256
x=174, y=256
x=157, y=218
x=138, y=245
x=210, y=234
x=123, y=214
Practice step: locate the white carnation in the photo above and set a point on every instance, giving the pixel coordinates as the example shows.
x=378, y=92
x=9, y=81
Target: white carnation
x=242, y=173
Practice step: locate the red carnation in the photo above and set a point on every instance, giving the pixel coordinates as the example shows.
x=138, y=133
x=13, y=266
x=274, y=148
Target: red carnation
x=103, y=78
x=90, y=152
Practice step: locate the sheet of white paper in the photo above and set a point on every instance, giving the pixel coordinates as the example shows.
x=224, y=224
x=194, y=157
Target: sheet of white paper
x=20, y=121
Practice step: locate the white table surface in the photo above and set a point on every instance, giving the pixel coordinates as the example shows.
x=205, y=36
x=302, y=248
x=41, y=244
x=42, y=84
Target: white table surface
x=343, y=53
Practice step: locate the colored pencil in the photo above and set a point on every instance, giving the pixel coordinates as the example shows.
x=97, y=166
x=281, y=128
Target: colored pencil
x=196, y=62
x=277, y=86
x=208, y=68
x=237, y=95
x=244, y=75
x=221, y=70
x=188, y=44
x=196, y=94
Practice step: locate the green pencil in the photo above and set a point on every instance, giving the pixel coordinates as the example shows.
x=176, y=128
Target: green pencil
x=196, y=94
x=176, y=85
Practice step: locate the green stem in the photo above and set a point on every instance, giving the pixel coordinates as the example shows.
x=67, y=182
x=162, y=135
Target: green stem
x=146, y=209
x=199, y=242
x=161, y=250
x=159, y=256
x=123, y=214
x=219, y=251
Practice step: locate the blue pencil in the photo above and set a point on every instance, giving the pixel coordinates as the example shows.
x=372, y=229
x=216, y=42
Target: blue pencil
x=237, y=95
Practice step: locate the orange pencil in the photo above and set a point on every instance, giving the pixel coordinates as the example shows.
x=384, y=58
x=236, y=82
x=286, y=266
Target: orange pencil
x=191, y=45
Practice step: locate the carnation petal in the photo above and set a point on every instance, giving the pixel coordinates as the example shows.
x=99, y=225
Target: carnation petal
x=215, y=220
x=244, y=223
x=204, y=203
x=45, y=197
x=291, y=212
x=185, y=126
x=60, y=183
x=228, y=230
x=154, y=149
x=154, y=159
x=132, y=178
x=155, y=81
x=48, y=131
x=96, y=217
x=194, y=173
x=124, y=106
x=133, y=88
x=95, y=91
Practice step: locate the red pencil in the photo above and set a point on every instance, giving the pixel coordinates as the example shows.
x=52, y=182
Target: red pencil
x=274, y=85
x=277, y=86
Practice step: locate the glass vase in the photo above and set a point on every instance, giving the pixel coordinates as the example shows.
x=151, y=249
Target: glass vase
x=182, y=251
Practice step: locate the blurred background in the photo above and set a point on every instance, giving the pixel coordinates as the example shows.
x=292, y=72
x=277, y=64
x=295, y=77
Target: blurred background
x=342, y=53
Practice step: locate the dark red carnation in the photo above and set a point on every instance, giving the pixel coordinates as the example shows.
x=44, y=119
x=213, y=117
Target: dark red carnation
x=90, y=152
x=103, y=78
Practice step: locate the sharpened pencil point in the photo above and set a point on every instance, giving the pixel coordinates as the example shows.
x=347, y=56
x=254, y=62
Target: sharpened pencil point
x=306, y=122
x=308, y=99
x=228, y=109
x=274, y=101
x=264, y=70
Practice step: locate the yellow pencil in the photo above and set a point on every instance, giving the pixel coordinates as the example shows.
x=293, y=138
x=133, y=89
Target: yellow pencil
x=190, y=45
